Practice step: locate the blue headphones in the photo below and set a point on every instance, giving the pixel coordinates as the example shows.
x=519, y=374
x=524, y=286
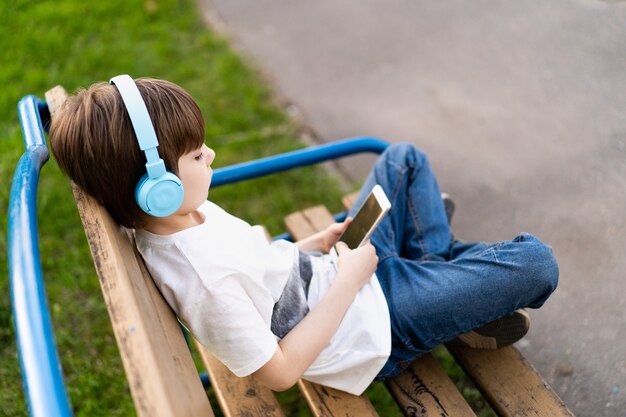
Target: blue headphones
x=159, y=192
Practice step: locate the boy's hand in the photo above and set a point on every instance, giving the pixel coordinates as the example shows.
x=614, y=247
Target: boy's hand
x=324, y=240
x=356, y=265
x=332, y=233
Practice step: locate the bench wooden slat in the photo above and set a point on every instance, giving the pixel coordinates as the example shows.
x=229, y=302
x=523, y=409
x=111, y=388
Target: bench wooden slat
x=303, y=224
x=328, y=402
x=319, y=217
x=510, y=384
x=424, y=389
x=239, y=397
x=300, y=225
x=55, y=97
x=349, y=199
x=160, y=371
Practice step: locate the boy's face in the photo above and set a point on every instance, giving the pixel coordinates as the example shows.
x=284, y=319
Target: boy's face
x=195, y=172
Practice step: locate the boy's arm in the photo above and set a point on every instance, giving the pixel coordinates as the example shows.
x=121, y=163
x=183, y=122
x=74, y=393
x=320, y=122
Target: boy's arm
x=299, y=348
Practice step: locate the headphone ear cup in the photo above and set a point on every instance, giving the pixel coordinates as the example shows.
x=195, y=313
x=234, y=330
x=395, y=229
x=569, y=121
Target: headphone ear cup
x=159, y=197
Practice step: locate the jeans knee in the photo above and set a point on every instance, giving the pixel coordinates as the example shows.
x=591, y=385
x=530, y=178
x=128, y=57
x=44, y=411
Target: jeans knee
x=542, y=263
x=549, y=270
x=405, y=154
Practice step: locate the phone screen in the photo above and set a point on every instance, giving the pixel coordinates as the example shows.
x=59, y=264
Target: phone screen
x=362, y=222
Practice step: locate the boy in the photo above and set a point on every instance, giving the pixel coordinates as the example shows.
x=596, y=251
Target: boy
x=270, y=308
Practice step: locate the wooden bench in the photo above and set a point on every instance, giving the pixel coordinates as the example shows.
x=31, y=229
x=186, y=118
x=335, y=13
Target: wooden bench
x=164, y=381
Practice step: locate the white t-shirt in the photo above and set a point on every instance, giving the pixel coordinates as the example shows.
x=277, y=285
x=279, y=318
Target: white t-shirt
x=224, y=280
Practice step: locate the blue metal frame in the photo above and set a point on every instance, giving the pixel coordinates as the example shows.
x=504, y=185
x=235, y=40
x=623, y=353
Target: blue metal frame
x=39, y=360
x=302, y=157
x=41, y=368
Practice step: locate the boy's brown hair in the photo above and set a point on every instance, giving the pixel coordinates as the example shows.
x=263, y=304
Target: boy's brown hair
x=93, y=141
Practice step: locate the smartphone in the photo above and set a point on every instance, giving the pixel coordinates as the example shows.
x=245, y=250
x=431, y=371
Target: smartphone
x=365, y=221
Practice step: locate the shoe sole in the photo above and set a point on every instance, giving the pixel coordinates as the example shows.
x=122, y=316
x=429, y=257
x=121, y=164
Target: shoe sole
x=499, y=333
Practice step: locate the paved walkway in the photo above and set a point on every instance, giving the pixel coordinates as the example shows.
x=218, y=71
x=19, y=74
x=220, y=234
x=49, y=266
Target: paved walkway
x=521, y=106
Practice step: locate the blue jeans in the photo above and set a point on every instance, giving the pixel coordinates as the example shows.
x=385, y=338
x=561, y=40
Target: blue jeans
x=437, y=287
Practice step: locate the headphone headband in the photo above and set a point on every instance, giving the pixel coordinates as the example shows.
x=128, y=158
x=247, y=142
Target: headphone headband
x=159, y=192
x=142, y=125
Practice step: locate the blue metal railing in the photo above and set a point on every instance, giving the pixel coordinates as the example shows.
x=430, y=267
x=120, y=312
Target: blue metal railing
x=39, y=361
x=301, y=157
x=41, y=368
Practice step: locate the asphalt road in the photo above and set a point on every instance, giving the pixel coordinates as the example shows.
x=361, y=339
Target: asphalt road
x=521, y=106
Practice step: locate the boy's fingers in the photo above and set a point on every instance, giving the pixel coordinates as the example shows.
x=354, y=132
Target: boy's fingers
x=345, y=223
x=340, y=227
x=340, y=246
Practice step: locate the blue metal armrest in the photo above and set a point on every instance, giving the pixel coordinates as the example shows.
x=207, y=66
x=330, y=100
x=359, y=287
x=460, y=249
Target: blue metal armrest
x=299, y=158
x=41, y=369
x=39, y=361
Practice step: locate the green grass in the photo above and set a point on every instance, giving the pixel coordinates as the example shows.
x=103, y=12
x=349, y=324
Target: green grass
x=76, y=43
